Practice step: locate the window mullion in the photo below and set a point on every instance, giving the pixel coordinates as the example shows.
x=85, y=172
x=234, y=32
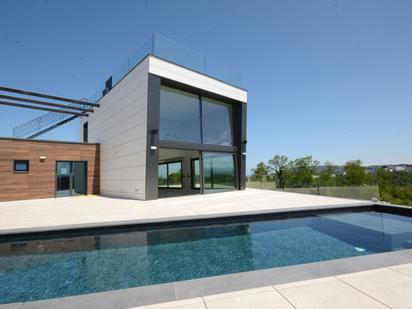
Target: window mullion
x=201, y=119
x=167, y=175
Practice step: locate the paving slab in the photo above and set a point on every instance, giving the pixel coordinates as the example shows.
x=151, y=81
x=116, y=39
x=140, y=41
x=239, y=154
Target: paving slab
x=194, y=303
x=326, y=293
x=263, y=298
x=405, y=269
x=385, y=285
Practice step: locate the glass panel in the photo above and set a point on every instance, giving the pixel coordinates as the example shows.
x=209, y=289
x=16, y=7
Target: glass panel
x=175, y=175
x=219, y=171
x=168, y=49
x=165, y=48
x=179, y=116
x=217, y=70
x=195, y=174
x=63, y=179
x=79, y=178
x=162, y=175
x=217, y=122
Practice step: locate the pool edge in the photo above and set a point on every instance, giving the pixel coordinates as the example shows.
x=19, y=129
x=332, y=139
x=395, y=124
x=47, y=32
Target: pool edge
x=162, y=220
x=179, y=290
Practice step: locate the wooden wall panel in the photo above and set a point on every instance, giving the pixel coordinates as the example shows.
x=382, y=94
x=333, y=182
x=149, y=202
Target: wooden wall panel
x=40, y=181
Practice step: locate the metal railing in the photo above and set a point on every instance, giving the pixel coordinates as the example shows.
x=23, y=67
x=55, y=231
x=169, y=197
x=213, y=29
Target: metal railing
x=367, y=192
x=43, y=124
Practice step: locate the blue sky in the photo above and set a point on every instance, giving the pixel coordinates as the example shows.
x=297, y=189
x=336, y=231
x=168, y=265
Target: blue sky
x=327, y=78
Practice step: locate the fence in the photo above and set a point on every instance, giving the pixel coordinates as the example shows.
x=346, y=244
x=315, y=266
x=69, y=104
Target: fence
x=359, y=193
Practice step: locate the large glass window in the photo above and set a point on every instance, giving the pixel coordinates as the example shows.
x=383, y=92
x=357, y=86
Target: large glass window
x=179, y=116
x=174, y=175
x=162, y=175
x=170, y=175
x=219, y=171
x=217, y=122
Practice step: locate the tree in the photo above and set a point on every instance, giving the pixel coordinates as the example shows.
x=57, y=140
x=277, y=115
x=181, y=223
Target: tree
x=278, y=167
x=384, y=183
x=328, y=175
x=260, y=172
x=301, y=172
x=355, y=173
x=395, y=187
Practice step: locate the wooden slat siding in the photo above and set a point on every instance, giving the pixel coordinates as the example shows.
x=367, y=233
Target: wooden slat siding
x=40, y=181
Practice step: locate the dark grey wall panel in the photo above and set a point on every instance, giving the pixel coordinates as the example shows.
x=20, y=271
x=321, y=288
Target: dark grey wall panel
x=240, y=138
x=152, y=156
x=242, y=148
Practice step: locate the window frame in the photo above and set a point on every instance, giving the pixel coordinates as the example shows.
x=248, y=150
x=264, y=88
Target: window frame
x=15, y=162
x=192, y=174
x=167, y=175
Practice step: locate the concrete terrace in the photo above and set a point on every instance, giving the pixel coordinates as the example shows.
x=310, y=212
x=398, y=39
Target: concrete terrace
x=84, y=211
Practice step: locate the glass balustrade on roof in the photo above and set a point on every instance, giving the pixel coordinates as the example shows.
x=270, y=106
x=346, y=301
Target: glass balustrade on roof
x=169, y=50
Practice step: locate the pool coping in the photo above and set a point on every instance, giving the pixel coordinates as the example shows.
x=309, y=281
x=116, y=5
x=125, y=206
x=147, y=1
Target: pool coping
x=179, y=290
x=160, y=220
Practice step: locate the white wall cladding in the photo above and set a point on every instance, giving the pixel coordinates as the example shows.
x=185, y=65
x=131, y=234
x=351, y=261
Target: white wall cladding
x=177, y=73
x=120, y=125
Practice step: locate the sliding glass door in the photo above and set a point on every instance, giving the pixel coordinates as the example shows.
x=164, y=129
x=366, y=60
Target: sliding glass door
x=63, y=179
x=70, y=178
x=219, y=171
x=79, y=178
x=204, y=172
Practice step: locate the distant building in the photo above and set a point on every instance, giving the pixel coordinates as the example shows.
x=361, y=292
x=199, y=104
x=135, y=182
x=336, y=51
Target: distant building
x=397, y=167
x=372, y=169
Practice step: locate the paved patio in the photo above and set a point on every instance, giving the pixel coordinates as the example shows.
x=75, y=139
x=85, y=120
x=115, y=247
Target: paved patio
x=389, y=287
x=54, y=213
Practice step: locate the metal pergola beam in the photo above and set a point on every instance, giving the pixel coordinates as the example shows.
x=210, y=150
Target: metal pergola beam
x=85, y=110
x=42, y=108
x=47, y=96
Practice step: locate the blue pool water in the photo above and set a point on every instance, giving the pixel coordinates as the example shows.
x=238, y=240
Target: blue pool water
x=48, y=268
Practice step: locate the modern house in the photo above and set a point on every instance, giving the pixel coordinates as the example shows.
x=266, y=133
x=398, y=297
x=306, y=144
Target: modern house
x=170, y=123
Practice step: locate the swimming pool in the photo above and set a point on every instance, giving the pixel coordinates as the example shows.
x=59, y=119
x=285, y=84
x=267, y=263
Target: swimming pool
x=42, y=267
